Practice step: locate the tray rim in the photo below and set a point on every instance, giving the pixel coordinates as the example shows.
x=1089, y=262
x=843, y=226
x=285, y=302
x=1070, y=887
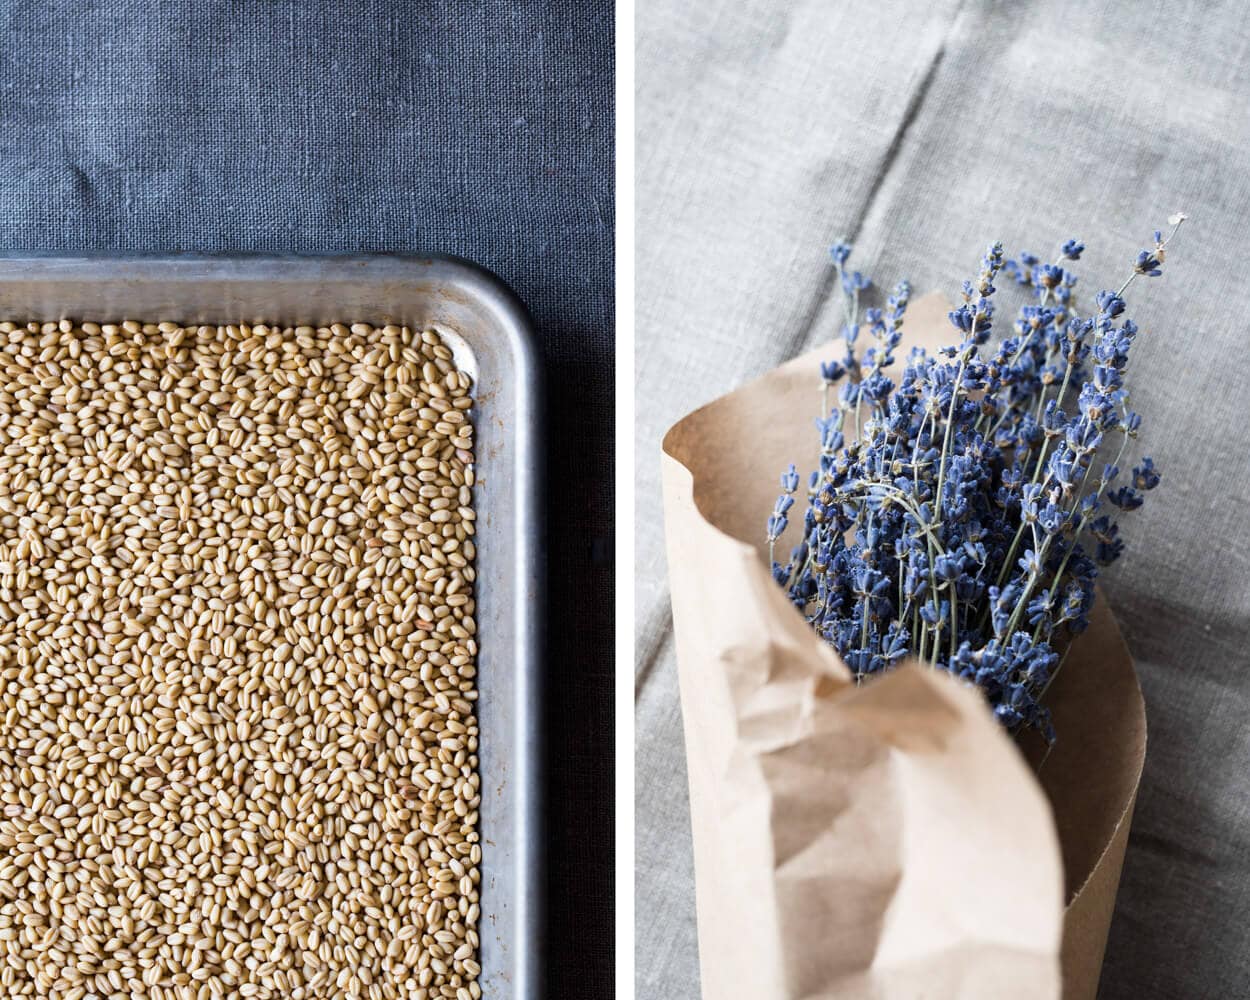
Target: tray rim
x=529, y=467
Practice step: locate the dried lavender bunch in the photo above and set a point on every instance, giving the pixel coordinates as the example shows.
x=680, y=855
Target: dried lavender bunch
x=964, y=521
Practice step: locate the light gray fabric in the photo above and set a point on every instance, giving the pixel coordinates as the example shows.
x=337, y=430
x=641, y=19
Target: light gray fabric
x=923, y=131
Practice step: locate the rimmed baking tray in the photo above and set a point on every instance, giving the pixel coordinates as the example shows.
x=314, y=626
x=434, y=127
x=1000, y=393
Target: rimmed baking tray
x=491, y=336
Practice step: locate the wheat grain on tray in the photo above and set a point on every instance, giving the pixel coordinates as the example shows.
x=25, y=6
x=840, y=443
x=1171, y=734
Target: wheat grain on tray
x=238, y=740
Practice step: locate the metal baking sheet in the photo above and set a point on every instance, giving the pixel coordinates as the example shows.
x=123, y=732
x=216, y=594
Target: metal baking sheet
x=492, y=340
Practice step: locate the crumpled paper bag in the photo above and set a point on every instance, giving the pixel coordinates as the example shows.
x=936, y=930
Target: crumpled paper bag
x=883, y=840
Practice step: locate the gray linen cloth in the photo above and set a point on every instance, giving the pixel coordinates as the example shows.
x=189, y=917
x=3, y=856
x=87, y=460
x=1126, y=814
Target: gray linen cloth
x=923, y=131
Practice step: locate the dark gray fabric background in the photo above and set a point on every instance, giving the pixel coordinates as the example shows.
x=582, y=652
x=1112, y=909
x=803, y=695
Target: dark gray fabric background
x=483, y=129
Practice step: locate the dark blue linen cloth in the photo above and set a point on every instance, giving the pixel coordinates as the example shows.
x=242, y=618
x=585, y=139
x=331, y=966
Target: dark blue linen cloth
x=482, y=128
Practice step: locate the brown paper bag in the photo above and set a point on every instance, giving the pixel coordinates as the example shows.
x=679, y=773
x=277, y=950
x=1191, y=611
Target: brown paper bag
x=883, y=840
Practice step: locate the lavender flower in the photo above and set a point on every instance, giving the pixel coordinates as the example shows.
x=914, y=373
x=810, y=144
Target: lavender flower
x=963, y=516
